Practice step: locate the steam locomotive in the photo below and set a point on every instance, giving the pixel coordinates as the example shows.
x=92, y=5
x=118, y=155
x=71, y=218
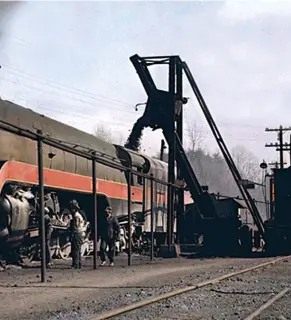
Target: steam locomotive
x=67, y=176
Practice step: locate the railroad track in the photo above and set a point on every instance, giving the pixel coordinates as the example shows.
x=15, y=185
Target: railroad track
x=266, y=305
x=140, y=304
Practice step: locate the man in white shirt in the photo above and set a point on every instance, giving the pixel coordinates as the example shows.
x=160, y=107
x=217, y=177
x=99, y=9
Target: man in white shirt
x=76, y=226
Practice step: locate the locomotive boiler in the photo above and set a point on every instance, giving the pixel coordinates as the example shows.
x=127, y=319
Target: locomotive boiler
x=67, y=176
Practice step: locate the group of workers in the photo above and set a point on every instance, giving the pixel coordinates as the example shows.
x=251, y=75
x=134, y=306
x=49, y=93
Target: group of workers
x=108, y=234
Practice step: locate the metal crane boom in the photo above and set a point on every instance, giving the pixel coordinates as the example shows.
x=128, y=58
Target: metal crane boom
x=227, y=156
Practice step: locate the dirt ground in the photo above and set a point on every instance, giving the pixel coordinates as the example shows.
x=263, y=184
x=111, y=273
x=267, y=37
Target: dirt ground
x=70, y=294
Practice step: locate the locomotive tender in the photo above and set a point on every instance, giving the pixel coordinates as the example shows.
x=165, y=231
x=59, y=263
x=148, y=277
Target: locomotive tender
x=68, y=176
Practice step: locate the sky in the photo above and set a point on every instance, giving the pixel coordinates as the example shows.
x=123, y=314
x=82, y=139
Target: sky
x=70, y=61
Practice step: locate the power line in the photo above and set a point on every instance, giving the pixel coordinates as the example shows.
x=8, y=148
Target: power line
x=64, y=87
x=95, y=96
x=56, y=93
x=206, y=136
x=105, y=99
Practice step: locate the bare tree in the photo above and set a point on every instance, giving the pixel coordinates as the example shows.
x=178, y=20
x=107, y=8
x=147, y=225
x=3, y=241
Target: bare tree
x=119, y=139
x=246, y=162
x=105, y=134
x=195, y=135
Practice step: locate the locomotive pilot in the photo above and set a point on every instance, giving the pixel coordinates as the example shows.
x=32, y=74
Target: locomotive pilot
x=109, y=233
x=76, y=227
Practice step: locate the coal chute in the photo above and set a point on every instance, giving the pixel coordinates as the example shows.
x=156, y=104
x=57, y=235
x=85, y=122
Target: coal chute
x=134, y=140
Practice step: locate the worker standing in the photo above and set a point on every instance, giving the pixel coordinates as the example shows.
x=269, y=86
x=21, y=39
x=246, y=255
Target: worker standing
x=76, y=227
x=109, y=233
x=48, y=234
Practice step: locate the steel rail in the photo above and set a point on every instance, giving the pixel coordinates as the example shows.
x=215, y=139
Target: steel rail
x=143, y=303
x=267, y=304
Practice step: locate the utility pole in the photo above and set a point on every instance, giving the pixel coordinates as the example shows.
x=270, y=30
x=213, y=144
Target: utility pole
x=281, y=147
x=275, y=164
x=287, y=147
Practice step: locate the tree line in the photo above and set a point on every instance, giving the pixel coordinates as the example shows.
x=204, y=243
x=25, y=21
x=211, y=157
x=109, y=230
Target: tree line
x=210, y=167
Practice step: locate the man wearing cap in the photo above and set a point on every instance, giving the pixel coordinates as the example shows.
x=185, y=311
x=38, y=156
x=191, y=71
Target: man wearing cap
x=109, y=233
x=76, y=227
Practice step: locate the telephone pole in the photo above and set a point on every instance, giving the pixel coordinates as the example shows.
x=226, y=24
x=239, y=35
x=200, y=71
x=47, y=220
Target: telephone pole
x=280, y=146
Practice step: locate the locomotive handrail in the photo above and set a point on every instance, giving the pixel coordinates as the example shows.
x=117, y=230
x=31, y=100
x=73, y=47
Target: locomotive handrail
x=18, y=130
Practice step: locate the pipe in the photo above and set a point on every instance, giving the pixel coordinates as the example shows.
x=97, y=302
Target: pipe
x=94, y=191
x=41, y=206
x=152, y=217
x=129, y=215
x=144, y=208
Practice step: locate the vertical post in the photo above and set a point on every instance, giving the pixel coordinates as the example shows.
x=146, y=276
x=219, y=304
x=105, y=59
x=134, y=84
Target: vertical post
x=129, y=215
x=163, y=147
x=281, y=147
x=152, y=217
x=271, y=197
x=144, y=189
x=41, y=204
x=94, y=191
x=179, y=117
x=171, y=161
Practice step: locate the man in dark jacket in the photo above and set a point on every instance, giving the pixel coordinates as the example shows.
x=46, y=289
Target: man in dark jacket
x=109, y=233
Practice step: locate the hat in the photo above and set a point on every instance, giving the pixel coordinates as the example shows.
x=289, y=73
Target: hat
x=74, y=204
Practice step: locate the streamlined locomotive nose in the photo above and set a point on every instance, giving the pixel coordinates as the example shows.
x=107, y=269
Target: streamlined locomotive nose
x=4, y=221
x=5, y=210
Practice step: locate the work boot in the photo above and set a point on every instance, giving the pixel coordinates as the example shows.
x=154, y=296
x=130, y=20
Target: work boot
x=102, y=263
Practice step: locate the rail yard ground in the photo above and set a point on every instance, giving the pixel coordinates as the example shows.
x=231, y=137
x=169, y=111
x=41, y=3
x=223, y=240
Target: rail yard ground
x=86, y=294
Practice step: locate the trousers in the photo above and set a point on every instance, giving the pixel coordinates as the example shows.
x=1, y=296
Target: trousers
x=76, y=243
x=111, y=252
x=47, y=251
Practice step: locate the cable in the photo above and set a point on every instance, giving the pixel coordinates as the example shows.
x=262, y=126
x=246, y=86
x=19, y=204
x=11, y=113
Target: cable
x=99, y=97
x=62, y=87
x=76, y=114
x=57, y=93
x=108, y=100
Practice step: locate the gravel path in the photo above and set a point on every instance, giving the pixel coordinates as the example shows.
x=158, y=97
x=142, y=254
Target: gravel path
x=73, y=295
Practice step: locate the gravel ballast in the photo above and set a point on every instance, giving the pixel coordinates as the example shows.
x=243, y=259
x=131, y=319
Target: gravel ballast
x=83, y=295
